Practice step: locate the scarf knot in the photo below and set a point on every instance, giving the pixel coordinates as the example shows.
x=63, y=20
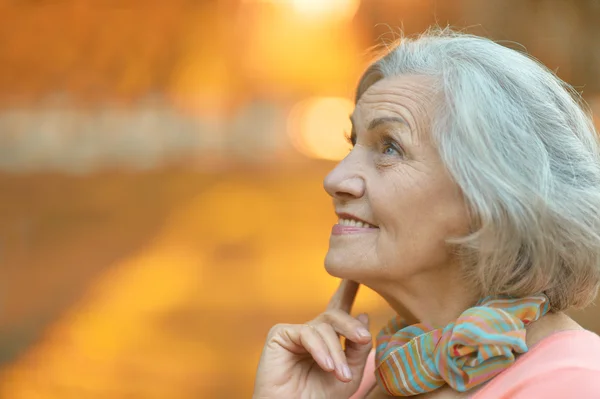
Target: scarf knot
x=484, y=340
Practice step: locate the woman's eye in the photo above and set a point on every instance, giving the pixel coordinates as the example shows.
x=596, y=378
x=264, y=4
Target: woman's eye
x=391, y=149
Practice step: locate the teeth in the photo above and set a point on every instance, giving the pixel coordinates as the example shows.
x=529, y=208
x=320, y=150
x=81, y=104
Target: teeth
x=354, y=223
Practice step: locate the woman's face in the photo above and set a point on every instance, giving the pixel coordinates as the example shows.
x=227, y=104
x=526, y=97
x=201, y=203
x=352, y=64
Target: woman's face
x=394, y=180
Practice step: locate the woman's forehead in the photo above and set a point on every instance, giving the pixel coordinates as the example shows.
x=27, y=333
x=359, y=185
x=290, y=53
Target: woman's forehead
x=400, y=88
x=405, y=97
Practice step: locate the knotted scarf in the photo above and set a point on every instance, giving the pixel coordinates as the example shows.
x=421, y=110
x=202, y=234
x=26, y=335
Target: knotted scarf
x=414, y=359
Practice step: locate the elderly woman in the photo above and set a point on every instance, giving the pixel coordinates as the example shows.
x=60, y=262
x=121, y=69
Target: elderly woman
x=471, y=203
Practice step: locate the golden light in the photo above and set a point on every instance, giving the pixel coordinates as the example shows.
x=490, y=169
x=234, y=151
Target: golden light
x=312, y=10
x=317, y=126
x=330, y=9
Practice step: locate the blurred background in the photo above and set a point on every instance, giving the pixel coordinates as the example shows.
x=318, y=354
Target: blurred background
x=161, y=167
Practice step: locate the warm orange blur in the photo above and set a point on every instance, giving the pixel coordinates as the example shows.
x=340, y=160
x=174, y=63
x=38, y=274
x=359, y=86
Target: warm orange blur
x=161, y=169
x=317, y=127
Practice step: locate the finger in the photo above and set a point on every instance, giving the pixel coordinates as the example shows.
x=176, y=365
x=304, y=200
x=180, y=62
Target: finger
x=343, y=298
x=357, y=356
x=364, y=319
x=334, y=323
x=301, y=339
x=345, y=325
x=331, y=338
x=356, y=352
x=314, y=344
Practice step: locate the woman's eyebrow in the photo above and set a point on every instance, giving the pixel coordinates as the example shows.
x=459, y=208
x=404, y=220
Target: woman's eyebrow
x=385, y=120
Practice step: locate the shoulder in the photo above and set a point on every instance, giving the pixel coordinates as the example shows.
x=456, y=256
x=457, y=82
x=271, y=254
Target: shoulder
x=564, y=349
x=565, y=364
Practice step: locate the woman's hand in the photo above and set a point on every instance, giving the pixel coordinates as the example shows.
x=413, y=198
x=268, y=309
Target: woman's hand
x=308, y=361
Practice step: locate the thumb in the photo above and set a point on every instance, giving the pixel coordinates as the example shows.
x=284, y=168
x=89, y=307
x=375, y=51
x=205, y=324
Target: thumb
x=357, y=354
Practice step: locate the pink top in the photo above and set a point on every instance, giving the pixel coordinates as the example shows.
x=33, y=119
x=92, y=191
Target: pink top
x=564, y=365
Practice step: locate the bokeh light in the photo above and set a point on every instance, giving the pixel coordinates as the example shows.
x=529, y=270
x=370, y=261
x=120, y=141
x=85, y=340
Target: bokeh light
x=331, y=9
x=317, y=127
x=324, y=11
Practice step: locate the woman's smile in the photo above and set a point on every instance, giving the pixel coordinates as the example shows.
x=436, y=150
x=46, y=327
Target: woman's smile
x=350, y=224
x=345, y=226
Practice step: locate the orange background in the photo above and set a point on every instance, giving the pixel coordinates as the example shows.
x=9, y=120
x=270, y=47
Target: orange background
x=161, y=167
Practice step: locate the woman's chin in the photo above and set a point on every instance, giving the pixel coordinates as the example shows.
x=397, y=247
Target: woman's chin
x=341, y=267
x=333, y=270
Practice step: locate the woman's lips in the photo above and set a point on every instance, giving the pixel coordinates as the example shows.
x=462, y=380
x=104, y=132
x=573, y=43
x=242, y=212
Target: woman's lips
x=339, y=229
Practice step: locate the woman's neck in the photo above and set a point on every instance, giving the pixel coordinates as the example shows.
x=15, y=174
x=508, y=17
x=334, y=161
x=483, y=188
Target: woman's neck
x=435, y=298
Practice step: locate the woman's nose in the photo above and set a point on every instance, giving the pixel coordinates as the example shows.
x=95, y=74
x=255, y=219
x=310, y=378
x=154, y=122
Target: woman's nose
x=343, y=182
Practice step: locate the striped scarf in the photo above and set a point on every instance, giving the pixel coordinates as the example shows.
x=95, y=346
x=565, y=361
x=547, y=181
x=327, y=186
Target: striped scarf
x=414, y=359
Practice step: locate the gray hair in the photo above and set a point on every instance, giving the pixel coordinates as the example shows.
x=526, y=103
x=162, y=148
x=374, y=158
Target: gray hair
x=521, y=145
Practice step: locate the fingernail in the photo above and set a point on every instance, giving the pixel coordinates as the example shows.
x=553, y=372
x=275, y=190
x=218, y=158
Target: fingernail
x=363, y=332
x=329, y=363
x=346, y=372
x=363, y=318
